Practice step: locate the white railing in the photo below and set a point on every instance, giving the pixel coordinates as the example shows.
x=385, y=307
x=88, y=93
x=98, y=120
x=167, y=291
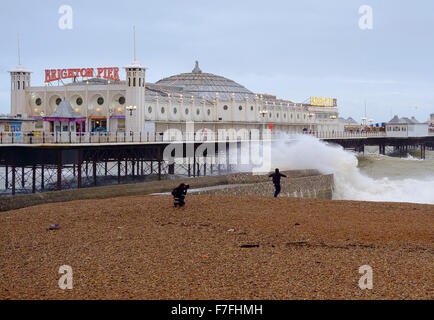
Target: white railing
x=349, y=135
x=146, y=137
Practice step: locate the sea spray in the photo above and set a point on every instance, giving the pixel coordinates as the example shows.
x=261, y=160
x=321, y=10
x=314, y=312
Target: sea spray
x=306, y=152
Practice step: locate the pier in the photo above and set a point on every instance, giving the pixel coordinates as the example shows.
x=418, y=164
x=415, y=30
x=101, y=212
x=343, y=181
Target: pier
x=31, y=164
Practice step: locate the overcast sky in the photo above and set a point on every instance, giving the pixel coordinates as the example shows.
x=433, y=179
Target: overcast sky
x=293, y=49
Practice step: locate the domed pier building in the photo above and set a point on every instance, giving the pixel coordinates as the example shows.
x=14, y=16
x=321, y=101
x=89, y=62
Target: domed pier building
x=107, y=103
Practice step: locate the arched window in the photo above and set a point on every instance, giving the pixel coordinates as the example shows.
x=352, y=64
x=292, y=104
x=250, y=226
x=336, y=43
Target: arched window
x=134, y=82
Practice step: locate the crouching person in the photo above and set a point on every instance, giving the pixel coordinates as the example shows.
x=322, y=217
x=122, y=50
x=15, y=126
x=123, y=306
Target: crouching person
x=179, y=194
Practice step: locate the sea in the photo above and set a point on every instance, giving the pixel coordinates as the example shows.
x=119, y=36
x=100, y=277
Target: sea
x=365, y=177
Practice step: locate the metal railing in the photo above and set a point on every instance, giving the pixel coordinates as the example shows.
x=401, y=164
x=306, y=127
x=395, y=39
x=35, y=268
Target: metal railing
x=147, y=137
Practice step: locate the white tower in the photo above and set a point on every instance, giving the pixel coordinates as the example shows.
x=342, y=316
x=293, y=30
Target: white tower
x=135, y=96
x=20, y=80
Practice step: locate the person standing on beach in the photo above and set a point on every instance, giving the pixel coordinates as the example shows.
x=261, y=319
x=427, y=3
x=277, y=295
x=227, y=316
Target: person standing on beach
x=276, y=181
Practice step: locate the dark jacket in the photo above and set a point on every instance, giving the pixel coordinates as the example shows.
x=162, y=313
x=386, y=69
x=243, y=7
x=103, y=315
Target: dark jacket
x=276, y=177
x=180, y=191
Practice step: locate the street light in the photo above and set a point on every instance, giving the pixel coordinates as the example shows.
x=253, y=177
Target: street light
x=131, y=109
x=263, y=113
x=310, y=115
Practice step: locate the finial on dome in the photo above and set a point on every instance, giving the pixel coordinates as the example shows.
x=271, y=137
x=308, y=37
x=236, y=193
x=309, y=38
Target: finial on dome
x=196, y=68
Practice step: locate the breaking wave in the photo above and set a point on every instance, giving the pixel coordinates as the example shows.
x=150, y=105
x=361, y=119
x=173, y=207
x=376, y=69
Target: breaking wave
x=306, y=152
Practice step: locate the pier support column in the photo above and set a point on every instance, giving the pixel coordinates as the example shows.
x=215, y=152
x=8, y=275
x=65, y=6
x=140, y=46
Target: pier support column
x=382, y=149
x=23, y=172
x=34, y=179
x=189, y=167
x=422, y=151
x=59, y=170
x=13, y=180
x=94, y=171
x=172, y=168
x=119, y=170
x=194, y=166
x=42, y=177
x=7, y=177
x=80, y=163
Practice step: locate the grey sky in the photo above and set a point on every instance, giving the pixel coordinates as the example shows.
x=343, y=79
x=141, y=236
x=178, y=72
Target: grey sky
x=293, y=49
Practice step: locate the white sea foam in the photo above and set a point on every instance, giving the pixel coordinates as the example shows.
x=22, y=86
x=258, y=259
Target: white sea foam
x=307, y=152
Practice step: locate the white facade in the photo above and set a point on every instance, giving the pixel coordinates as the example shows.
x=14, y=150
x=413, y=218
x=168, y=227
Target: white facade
x=134, y=105
x=405, y=127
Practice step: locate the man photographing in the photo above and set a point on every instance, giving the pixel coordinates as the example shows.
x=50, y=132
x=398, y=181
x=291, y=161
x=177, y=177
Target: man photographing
x=179, y=194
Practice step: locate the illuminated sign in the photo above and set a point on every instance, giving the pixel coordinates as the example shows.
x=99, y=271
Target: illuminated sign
x=101, y=73
x=323, y=102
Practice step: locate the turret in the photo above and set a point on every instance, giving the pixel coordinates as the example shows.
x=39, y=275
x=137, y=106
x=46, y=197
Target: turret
x=135, y=95
x=20, y=81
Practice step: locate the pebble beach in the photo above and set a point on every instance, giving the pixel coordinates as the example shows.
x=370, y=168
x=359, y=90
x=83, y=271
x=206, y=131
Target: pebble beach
x=218, y=247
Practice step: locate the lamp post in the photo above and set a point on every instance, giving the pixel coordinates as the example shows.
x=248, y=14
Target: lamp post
x=131, y=109
x=310, y=115
x=263, y=113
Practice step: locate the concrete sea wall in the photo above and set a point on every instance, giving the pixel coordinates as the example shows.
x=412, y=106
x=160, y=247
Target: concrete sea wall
x=310, y=186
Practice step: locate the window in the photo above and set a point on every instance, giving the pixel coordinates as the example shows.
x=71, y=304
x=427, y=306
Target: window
x=277, y=115
x=240, y=108
x=175, y=110
x=162, y=110
x=121, y=100
x=100, y=101
x=197, y=111
x=134, y=82
x=38, y=101
x=209, y=112
x=225, y=107
x=79, y=101
x=186, y=111
x=149, y=109
x=251, y=108
x=58, y=101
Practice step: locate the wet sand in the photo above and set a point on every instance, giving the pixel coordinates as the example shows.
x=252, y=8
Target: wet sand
x=141, y=247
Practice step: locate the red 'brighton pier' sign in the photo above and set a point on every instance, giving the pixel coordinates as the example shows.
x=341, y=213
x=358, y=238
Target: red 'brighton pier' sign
x=102, y=73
